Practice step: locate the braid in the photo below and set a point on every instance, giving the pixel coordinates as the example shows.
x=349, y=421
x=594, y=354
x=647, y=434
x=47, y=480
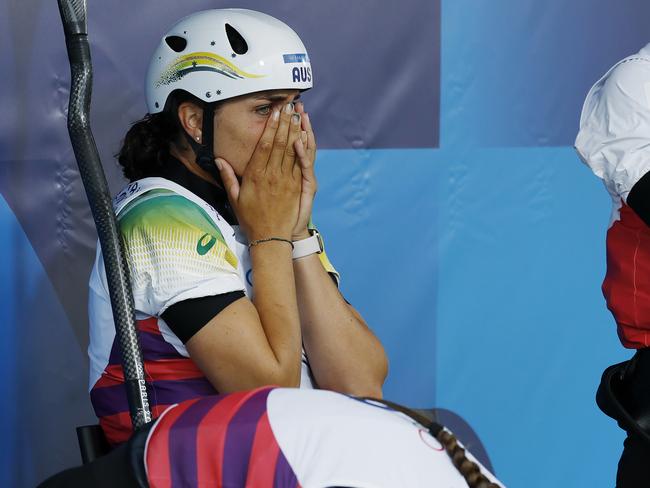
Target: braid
x=467, y=468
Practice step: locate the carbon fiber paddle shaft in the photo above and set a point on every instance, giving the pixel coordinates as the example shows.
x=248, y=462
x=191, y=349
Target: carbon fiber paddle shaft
x=73, y=15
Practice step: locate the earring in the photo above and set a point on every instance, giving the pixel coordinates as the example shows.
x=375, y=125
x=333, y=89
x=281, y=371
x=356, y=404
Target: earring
x=198, y=138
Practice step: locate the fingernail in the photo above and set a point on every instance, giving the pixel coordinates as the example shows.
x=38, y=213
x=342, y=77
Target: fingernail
x=295, y=119
x=219, y=165
x=288, y=108
x=276, y=114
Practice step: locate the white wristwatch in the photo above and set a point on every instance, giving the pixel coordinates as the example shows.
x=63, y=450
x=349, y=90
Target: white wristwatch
x=311, y=245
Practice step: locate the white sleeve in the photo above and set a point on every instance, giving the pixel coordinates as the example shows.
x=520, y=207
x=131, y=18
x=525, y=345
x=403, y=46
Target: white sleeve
x=175, y=252
x=614, y=136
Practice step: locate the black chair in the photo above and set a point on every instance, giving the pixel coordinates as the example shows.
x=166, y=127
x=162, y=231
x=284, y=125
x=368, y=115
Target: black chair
x=92, y=442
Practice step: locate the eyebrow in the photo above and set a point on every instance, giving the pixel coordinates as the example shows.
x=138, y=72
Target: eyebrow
x=276, y=98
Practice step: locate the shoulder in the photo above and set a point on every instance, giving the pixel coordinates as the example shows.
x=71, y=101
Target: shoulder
x=163, y=220
x=617, y=106
x=627, y=82
x=631, y=70
x=164, y=208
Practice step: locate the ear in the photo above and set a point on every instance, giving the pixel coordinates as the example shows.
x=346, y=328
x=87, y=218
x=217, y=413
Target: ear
x=190, y=116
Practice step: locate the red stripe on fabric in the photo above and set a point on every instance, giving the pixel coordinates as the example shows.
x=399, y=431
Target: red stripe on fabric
x=264, y=456
x=111, y=376
x=163, y=369
x=173, y=369
x=149, y=325
x=157, y=459
x=118, y=428
x=211, y=438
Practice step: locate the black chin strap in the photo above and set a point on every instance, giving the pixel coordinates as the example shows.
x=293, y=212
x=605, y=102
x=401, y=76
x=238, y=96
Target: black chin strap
x=205, y=156
x=205, y=151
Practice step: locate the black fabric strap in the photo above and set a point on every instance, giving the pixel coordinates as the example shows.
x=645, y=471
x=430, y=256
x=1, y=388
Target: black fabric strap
x=188, y=317
x=205, y=153
x=639, y=198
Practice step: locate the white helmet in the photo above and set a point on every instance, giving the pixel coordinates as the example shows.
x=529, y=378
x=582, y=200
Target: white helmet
x=220, y=54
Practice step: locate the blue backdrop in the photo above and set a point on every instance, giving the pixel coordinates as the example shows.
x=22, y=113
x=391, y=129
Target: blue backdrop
x=465, y=228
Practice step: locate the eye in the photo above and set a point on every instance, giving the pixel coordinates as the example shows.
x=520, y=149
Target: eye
x=263, y=110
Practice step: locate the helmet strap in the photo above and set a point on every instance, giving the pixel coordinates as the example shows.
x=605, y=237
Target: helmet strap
x=205, y=155
x=205, y=151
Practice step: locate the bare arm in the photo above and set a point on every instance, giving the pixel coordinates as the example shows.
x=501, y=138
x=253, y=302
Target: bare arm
x=249, y=344
x=343, y=353
x=254, y=344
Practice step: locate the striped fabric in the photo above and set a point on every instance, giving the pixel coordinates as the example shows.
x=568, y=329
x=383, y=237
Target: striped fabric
x=221, y=440
x=171, y=378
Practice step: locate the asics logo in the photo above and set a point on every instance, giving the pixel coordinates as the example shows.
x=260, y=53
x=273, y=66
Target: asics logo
x=206, y=241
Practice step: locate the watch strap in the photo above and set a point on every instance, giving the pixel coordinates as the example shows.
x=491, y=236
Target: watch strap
x=305, y=247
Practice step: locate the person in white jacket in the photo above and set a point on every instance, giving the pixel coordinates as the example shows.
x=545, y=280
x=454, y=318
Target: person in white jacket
x=614, y=141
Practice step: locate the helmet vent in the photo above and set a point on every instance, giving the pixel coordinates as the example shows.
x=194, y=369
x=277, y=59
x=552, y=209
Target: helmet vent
x=237, y=42
x=176, y=43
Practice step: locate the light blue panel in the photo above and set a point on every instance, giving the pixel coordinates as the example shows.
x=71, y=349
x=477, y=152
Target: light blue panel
x=515, y=72
x=44, y=372
x=522, y=329
x=379, y=215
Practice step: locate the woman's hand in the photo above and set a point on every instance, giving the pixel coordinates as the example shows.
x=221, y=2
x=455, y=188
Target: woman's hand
x=267, y=202
x=306, y=152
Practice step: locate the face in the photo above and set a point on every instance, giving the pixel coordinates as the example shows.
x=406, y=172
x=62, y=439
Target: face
x=239, y=124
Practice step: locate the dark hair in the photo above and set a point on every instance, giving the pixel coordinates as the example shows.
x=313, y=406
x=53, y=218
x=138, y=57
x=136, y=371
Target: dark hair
x=148, y=142
x=467, y=468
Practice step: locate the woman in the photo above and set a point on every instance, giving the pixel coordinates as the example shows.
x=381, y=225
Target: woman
x=220, y=199
x=222, y=187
